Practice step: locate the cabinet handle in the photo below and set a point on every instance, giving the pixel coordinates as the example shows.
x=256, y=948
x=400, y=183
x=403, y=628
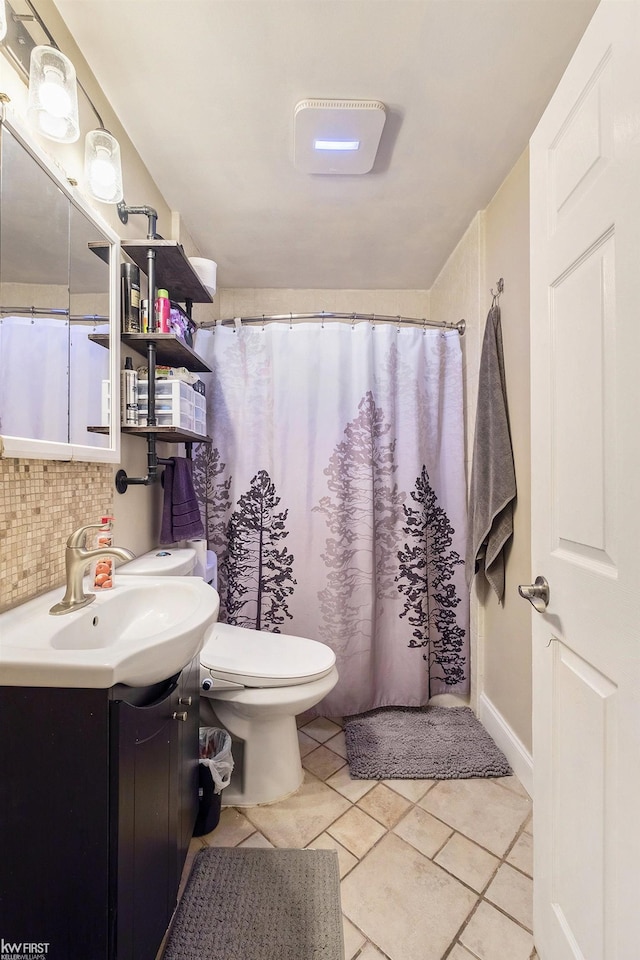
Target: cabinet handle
x=187, y=701
x=181, y=716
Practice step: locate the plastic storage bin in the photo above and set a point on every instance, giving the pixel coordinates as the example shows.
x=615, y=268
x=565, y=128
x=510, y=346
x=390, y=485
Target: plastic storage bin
x=215, y=769
x=177, y=405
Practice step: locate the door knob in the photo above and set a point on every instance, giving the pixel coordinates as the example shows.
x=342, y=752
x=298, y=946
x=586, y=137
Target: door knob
x=536, y=593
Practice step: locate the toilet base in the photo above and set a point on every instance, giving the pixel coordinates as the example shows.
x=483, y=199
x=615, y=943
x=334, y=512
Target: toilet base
x=269, y=766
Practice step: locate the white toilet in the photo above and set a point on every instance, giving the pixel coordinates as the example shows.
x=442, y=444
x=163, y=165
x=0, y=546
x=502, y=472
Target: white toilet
x=253, y=683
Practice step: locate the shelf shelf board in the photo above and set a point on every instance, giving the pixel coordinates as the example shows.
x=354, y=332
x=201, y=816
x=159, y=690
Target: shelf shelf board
x=164, y=434
x=170, y=350
x=173, y=269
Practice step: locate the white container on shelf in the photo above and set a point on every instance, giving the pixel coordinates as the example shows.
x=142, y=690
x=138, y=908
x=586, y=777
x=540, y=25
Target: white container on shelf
x=177, y=405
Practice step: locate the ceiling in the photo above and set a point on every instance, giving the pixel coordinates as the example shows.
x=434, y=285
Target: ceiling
x=206, y=90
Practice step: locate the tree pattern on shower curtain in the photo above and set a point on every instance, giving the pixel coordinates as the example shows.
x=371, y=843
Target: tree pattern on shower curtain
x=259, y=566
x=213, y=493
x=362, y=512
x=425, y=580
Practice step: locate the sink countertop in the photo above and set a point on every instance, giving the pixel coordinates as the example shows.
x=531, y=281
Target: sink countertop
x=140, y=632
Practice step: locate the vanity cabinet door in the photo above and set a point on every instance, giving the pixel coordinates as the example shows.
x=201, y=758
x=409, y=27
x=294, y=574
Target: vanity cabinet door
x=186, y=762
x=143, y=740
x=54, y=822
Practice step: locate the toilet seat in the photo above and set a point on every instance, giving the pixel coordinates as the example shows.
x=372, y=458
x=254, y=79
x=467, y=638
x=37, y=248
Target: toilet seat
x=255, y=658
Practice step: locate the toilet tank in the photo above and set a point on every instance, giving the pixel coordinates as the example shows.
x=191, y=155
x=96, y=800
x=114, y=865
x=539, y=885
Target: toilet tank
x=161, y=562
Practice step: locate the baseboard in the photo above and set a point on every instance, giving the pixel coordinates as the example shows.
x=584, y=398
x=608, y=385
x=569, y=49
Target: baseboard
x=516, y=753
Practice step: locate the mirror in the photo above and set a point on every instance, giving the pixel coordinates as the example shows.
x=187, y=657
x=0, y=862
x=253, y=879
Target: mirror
x=59, y=351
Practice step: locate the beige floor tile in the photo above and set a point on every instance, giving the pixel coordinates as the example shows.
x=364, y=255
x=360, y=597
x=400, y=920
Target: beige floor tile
x=307, y=744
x=356, y=831
x=423, y=831
x=322, y=762
x=348, y=787
x=460, y=953
x=321, y=729
x=467, y=861
x=512, y=783
x=490, y=935
x=513, y=892
x=413, y=790
x=296, y=821
x=346, y=860
x=256, y=840
x=406, y=905
x=338, y=744
x=521, y=855
x=233, y=827
x=480, y=809
x=353, y=939
x=370, y=953
x=385, y=805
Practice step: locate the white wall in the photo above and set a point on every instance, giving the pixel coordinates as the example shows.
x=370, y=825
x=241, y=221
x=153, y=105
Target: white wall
x=495, y=245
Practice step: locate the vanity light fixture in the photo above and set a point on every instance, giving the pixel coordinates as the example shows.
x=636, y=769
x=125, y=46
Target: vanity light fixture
x=53, y=95
x=53, y=101
x=102, y=166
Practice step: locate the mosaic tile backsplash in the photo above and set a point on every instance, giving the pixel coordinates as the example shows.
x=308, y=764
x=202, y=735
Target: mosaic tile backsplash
x=41, y=503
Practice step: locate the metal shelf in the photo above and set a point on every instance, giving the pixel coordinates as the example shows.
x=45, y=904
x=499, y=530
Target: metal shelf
x=165, y=434
x=170, y=350
x=173, y=268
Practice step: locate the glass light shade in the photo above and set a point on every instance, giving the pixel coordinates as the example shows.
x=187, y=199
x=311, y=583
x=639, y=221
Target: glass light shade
x=3, y=19
x=102, y=166
x=53, y=95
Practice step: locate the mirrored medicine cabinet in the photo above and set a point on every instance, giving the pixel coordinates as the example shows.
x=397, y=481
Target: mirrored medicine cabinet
x=56, y=294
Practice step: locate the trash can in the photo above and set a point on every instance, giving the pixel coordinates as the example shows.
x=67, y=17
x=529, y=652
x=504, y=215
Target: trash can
x=215, y=768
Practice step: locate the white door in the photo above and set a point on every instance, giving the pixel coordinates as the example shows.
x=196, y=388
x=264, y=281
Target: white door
x=585, y=348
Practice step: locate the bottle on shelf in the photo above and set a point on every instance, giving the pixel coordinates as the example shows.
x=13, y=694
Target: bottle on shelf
x=163, y=312
x=129, y=395
x=102, y=569
x=130, y=275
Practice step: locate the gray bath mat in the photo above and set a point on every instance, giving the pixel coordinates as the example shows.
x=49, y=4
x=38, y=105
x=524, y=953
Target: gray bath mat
x=421, y=743
x=255, y=904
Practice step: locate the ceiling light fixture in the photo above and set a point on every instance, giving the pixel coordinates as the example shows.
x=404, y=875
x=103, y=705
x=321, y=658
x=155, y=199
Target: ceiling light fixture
x=53, y=102
x=337, y=136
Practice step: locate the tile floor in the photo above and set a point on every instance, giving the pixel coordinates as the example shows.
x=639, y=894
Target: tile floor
x=430, y=870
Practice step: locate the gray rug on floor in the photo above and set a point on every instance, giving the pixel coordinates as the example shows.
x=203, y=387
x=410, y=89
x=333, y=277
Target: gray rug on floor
x=421, y=743
x=255, y=904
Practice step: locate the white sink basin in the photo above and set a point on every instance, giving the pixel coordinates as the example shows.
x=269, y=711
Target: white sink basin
x=144, y=630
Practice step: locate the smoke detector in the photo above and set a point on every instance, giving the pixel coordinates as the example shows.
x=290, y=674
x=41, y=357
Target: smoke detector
x=337, y=136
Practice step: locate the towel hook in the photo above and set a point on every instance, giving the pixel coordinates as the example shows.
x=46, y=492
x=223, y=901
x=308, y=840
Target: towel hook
x=499, y=289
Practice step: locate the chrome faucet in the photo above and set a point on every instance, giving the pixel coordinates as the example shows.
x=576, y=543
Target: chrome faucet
x=76, y=561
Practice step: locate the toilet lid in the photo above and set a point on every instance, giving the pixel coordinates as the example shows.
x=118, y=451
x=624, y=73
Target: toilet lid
x=257, y=658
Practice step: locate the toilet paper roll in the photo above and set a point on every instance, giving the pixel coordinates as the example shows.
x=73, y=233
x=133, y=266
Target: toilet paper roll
x=206, y=270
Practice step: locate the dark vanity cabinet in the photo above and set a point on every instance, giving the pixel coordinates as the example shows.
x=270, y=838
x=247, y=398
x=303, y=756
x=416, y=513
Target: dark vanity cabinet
x=99, y=795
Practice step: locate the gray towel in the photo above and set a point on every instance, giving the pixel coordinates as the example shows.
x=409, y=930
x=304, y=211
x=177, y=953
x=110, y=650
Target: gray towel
x=493, y=478
x=180, y=511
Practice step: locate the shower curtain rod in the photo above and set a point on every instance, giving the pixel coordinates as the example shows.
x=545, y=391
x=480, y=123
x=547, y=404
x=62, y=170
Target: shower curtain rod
x=323, y=315
x=52, y=312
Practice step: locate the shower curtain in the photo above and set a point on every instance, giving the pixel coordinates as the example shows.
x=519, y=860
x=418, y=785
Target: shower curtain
x=334, y=496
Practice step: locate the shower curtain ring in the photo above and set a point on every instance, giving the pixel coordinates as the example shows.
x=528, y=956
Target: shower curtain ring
x=263, y=322
x=398, y=318
x=372, y=319
x=353, y=321
x=290, y=321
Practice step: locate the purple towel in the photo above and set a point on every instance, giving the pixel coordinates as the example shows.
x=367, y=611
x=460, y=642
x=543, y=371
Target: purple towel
x=180, y=512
